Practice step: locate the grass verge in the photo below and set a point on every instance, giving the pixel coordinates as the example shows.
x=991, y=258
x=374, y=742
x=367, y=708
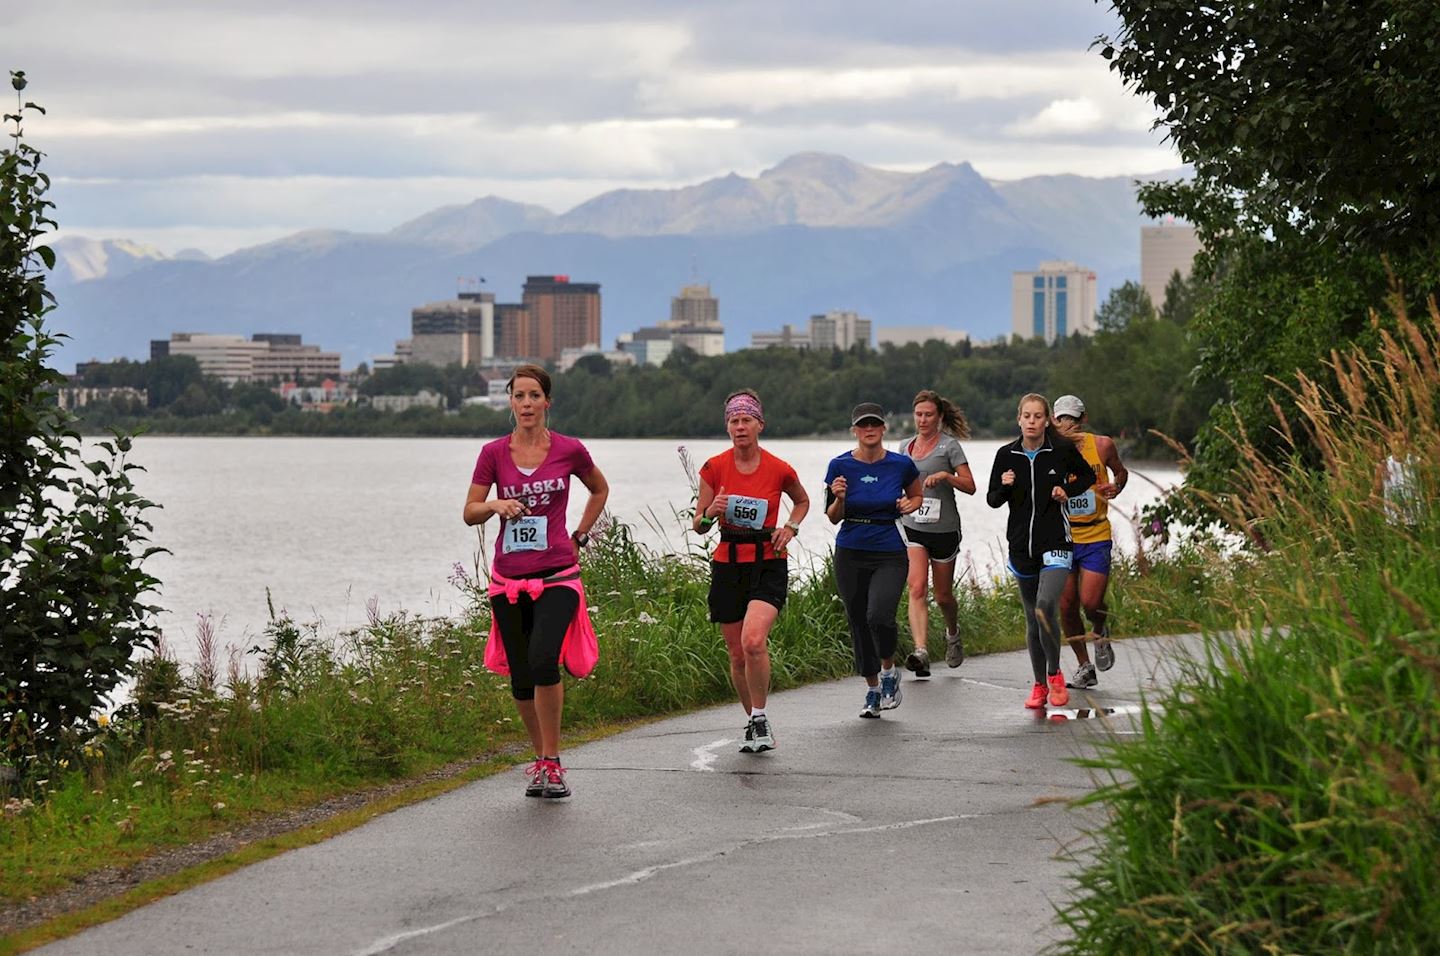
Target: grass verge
x=1289, y=801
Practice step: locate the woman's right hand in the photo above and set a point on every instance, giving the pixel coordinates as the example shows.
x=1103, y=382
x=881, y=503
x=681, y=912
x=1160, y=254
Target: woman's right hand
x=837, y=487
x=510, y=509
x=1008, y=477
x=717, y=505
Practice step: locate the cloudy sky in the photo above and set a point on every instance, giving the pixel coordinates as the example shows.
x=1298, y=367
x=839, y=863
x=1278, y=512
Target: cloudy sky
x=222, y=124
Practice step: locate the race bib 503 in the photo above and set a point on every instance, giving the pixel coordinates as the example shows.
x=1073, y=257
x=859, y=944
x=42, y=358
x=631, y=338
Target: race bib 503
x=1081, y=506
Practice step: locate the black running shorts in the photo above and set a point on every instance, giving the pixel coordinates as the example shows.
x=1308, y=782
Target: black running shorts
x=942, y=546
x=733, y=585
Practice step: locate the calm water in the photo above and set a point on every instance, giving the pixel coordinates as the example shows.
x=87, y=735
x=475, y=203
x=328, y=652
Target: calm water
x=328, y=525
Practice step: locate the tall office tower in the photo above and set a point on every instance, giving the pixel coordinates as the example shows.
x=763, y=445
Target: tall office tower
x=459, y=331
x=694, y=306
x=1056, y=300
x=695, y=321
x=566, y=314
x=1165, y=250
x=514, y=332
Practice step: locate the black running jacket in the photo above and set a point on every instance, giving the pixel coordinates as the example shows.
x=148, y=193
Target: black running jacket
x=1037, y=523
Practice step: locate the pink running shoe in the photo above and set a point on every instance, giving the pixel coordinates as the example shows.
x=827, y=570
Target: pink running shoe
x=1059, y=696
x=1037, y=697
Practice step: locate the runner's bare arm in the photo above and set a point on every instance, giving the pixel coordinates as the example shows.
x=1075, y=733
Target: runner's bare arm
x=1110, y=458
x=599, y=492
x=913, y=499
x=478, y=510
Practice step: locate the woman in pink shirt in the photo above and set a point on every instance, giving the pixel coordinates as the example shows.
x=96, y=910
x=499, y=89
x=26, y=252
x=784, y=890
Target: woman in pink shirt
x=534, y=594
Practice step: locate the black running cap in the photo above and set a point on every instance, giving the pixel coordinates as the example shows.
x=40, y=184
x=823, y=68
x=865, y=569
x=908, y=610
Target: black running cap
x=866, y=411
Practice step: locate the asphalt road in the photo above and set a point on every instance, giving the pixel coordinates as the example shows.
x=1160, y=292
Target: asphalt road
x=932, y=827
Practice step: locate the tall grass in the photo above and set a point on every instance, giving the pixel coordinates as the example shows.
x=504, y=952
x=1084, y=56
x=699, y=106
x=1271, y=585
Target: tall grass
x=1289, y=799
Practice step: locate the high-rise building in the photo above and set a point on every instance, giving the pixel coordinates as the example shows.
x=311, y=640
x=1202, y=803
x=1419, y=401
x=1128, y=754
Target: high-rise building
x=695, y=321
x=833, y=330
x=1055, y=301
x=459, y=331
x=514, y=331
x=1164, y=251
x=694, y=306
x=566, y=315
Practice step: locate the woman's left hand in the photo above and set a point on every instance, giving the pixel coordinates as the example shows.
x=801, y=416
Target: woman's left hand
x=1059, y=494
x=938, y=478
x=781, y=537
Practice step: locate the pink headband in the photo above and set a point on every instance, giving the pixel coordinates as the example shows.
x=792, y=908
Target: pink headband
x=744, y=405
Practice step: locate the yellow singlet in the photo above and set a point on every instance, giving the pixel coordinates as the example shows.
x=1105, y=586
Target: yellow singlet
x=1089, y=513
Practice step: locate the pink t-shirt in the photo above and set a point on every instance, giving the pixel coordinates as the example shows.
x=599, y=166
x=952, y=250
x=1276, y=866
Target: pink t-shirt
x=537, y=541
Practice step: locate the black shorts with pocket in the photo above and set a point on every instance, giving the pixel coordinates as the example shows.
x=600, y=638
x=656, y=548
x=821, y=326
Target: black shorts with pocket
x=733, y=585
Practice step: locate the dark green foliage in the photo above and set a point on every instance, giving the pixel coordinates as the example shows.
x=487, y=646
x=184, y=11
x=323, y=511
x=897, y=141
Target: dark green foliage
x=71, y=586
x=1313, y=131
x=1137, y=373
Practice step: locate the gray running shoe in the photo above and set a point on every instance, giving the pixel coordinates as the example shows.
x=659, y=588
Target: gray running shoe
x=748, y=747
x=890, y=693
x=764, y=737
x=1083, y=678
x=872, y=703
x=1104, y=653
x=919, y=662
x=954, y=650
x=555, y=785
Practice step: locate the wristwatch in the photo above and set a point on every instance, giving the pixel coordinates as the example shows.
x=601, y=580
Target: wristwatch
x=794, y=527
x=582, y=538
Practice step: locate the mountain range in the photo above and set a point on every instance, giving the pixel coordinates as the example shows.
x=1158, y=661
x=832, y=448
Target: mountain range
x=814, y=233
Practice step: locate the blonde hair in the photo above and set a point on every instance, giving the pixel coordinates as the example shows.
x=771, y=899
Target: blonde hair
x=952, y=419
x=1029, y=397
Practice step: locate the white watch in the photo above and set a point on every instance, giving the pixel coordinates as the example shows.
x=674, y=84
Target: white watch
x=794, y=527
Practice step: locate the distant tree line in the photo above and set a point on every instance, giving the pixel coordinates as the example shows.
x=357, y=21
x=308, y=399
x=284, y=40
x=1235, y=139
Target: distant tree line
x=1134, y=374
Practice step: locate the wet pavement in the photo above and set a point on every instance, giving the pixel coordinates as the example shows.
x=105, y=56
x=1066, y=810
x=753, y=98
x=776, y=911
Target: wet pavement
x=939, y=825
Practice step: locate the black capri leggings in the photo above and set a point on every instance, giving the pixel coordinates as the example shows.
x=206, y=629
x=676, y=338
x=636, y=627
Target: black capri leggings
x=532, y=631
x=870, y=583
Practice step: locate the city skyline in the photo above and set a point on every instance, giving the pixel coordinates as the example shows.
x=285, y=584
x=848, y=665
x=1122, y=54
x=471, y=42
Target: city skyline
x=234, y=128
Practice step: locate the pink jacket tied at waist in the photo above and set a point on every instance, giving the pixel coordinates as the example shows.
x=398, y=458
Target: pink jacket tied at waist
x=579, y=650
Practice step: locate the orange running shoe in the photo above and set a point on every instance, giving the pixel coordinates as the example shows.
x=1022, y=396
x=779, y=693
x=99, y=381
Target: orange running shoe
x=1037, y=697
x=1059, y=696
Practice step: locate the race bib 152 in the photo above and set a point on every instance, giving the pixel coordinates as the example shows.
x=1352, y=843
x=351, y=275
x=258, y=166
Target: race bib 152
x=530, y=533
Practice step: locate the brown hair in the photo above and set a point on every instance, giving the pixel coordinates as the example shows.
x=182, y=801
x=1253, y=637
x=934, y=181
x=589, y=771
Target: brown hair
x=743, y=391
x=952, y=420
x=530, y=371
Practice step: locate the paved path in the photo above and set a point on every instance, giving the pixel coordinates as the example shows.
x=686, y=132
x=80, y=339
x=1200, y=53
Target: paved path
x=855, y=836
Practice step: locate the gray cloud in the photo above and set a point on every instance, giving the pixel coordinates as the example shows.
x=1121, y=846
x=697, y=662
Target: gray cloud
x=240, y=116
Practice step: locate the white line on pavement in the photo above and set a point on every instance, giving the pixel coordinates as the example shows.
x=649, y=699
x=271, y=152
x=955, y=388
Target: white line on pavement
x=705, y=756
